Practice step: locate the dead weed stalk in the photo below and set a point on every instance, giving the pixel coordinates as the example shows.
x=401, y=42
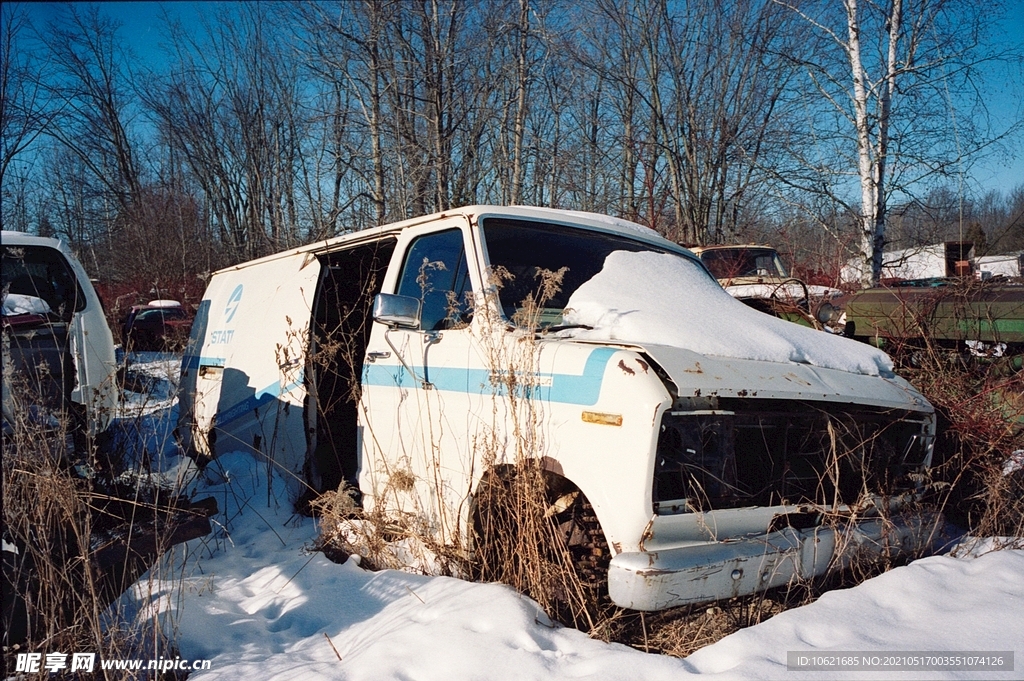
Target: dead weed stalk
x=66, y=518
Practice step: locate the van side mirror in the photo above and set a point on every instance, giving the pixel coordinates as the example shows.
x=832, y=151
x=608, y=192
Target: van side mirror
x=397, y=311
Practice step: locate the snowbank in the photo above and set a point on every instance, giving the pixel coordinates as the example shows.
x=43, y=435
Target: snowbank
x=258, y=606
x=937, y=604
x=663, y=299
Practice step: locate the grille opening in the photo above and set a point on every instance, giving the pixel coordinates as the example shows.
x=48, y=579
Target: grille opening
x=783, y=455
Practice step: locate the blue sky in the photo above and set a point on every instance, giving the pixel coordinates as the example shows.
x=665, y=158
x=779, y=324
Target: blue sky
x=143, y=28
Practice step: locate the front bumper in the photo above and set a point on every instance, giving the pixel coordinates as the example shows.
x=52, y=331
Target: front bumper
x=710, y=571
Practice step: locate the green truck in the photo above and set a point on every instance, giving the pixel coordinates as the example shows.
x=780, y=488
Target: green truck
x=983, y=317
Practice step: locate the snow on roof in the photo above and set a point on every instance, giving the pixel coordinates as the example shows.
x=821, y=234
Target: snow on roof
x=663, y=299
x=20, y=303
x=164, y=302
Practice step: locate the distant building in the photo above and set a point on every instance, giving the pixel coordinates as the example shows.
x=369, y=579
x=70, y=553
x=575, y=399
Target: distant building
x=1007, y=265
x=947, y=259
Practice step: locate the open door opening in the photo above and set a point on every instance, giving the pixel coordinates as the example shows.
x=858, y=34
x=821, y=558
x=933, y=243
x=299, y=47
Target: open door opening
x=340, y=332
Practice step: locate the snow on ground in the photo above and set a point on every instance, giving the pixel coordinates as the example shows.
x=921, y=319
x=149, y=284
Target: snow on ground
x=148, y=415
x=151, y=383
x=682, y=306
x=254, y=601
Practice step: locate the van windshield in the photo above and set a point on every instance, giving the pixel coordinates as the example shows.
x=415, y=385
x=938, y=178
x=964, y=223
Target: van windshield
x=521, y=252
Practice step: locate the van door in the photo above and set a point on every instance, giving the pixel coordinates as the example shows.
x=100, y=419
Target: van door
x=422, y=388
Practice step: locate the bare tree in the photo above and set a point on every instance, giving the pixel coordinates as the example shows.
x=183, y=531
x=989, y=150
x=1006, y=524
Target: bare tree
x=902, y=81
x=710, y=81
x=90, y=85
x=344, y=51
x=231, y=108
x=25, y=110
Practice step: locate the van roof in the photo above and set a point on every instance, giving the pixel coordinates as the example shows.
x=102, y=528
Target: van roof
x=10, y=238
x=597, y=221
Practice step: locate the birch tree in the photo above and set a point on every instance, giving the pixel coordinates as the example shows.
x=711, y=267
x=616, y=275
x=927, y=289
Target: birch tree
x=904, y=106
x=872, y=140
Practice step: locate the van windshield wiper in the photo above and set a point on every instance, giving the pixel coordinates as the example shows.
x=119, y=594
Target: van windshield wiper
x=565, y=327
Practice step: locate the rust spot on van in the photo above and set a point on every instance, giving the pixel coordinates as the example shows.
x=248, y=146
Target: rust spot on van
x=643, y=365
x=695, y=370
x=625, y=369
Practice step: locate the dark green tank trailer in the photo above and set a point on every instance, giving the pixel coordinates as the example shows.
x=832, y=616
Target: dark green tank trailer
x=983, y=317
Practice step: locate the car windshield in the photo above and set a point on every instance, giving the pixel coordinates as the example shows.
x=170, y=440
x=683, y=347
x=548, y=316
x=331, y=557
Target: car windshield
x=729, y=263
x=521, y=252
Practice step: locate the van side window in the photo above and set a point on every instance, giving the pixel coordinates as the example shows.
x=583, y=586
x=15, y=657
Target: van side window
x=435, y=271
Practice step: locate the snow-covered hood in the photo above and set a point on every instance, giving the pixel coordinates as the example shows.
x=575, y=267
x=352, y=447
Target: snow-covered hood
x=697, y=375
x=712, y=344
x=665, y=299
x=775, y=287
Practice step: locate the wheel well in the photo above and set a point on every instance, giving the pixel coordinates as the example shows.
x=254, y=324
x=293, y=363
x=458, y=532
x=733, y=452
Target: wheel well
x=549, y=546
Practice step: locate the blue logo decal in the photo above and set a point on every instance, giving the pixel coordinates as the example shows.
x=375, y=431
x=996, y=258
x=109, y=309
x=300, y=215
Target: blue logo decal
x=232, y=307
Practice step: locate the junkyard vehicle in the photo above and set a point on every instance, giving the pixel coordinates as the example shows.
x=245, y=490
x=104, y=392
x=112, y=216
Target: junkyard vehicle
x=59, y=388
x=756, y=276
x=157, y=325
x=55, y=336
x=983, y=317
x=720, y=451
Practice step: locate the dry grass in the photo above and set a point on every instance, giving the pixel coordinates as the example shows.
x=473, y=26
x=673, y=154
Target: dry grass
x=530, y=528
x=78, y=533
x=981, y=426
x=682, y=631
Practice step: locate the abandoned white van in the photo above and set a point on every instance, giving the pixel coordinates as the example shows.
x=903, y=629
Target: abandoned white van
x=717, y=450
x=55, y=337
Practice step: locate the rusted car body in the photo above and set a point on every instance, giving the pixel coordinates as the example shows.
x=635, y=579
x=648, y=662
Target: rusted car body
x=756, y=276
x=157, y=325
x=986, y=317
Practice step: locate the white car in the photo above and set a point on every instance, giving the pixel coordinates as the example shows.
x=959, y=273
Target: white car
x=721, y=451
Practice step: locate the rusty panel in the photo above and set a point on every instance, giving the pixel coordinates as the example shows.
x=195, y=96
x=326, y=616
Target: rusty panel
x=951, y=312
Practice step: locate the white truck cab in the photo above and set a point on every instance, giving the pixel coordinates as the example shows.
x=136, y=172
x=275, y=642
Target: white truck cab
x=721, y=450
x=55, y=336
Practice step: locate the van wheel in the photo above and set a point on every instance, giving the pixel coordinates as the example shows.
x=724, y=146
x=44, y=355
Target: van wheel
x=539, y=533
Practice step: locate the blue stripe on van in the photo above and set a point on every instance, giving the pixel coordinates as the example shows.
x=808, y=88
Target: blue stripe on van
x=584, y=389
